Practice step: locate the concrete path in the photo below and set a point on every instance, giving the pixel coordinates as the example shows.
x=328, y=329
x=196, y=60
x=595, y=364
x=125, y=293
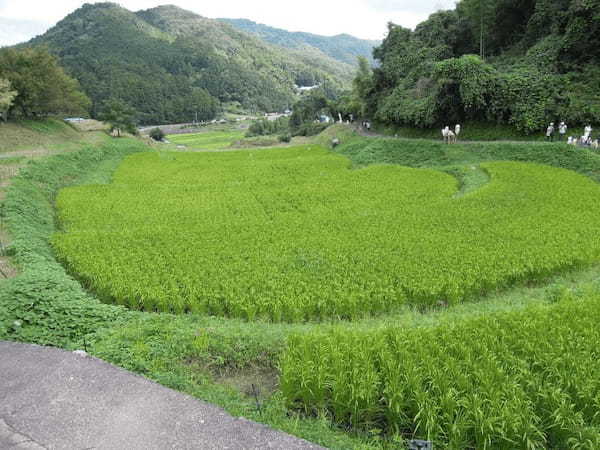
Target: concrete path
x=53, y=399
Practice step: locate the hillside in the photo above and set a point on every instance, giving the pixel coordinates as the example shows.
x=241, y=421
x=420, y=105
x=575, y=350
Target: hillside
x=343, y=47
x=169, y=63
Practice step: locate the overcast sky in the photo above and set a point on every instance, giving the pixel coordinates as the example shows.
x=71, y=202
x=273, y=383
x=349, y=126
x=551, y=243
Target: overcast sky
x=23, y=19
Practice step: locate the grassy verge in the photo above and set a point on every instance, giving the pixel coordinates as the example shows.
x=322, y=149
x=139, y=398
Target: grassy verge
x=425, y=153
x=49, y=134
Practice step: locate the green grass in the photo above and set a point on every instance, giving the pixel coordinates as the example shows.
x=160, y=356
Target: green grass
x=12, y=161
x=206, y=140
x=431, y=154
x=35, y=135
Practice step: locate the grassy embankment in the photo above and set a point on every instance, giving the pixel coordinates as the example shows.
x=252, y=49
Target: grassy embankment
x=219, y=359
x=21, y=142
x=473, y=131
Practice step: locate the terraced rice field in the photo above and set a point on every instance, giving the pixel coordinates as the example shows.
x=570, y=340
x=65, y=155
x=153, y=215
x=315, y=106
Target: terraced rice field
x=296, y=235
x=206, y=141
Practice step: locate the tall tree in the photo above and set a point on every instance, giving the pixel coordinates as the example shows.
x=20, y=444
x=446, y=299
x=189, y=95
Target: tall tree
x=482, y=15
x=362, y=87
x=7, y=96
x=43, y=86
x=119, y=116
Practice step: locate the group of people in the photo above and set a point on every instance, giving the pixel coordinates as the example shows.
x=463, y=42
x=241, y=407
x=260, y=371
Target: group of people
x=449, y=135
x=585, y=141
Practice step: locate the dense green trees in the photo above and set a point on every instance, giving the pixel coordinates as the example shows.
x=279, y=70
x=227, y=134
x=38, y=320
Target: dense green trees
x=343, y=48
x=119, y=116
x=541, y=64
x=41, y=84
x=7, y=96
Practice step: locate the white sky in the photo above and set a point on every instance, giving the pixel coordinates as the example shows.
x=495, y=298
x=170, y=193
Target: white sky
x=23, y=19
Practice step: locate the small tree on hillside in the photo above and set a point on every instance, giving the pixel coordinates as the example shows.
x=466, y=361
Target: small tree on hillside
x=119, y=116
x=7, y=96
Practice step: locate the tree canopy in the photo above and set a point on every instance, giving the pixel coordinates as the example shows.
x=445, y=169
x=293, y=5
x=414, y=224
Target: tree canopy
x=119, y=116
x=523, y=62
x=42, y=86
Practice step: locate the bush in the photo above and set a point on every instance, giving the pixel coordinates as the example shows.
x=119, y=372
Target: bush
x=285, y=138
x=265, y=127
x=157, y=134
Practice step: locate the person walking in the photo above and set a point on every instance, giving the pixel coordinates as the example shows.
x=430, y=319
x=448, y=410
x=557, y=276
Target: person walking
x=457, y=131
x=587, y=131
x=550, y=132
x=562, y=130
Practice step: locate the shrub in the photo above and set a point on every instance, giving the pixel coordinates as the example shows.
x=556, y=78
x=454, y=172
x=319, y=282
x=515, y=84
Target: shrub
x=285, y=137
x=157, y=134
x=265, y=127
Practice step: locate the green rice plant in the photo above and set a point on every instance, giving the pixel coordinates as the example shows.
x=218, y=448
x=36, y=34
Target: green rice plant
x=294, y=235
x=207, y=140
x=512, y=380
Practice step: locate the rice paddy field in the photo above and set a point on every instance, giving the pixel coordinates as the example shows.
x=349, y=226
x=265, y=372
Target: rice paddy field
x=207, y=140
x=310, y=263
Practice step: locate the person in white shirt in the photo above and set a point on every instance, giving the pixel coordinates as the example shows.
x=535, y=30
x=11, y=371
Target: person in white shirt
x=562, y=130
x=445, y=132
x=587, y=132
x=457, y=130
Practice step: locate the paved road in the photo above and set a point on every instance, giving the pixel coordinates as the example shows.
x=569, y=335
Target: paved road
x=53, y=399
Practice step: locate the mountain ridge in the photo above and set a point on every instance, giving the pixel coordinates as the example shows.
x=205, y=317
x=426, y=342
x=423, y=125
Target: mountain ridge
x=343, y=47
x=169, y=63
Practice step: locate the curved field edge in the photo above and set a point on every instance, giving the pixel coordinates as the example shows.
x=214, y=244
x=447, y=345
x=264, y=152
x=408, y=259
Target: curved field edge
x=299, y=275
x=44, y=305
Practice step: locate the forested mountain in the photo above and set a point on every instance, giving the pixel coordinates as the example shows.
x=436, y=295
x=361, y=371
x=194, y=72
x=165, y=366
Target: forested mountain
x=169, y=63
x=523, y=62
x=343, y=47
